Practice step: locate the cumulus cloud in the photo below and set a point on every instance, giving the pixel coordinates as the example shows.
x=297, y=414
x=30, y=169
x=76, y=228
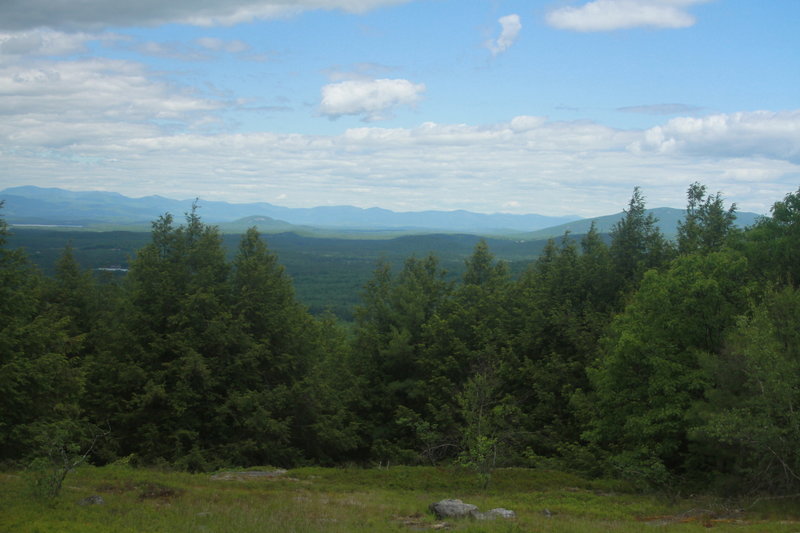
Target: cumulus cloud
x=607, y=15
x=769, y=134
x=371, y=99
x=62, y=103
x=510, y=27
x=93, y=14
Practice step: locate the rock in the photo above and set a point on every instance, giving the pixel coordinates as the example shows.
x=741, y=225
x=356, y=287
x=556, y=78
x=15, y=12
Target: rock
x=459, y=509
x=496, y=513
x=452, y=509
x=92, y=500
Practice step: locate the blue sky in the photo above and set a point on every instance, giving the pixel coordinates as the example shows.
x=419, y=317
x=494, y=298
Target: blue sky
x=553, y=107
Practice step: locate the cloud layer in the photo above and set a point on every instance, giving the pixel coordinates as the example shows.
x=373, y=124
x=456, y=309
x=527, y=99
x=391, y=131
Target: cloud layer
x=772, y=135
x=96, y=14
x=607, y=15
x=102, y=124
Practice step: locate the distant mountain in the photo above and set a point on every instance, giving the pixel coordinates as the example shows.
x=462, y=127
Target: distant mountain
x=103, y=210
x=667, y=221
x=35, y=205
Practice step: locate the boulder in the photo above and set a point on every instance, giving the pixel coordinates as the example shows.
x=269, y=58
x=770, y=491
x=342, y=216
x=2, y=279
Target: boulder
x=458, y=509
x=452, y=509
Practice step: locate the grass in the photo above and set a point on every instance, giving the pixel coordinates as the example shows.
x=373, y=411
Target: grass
x=352, y=500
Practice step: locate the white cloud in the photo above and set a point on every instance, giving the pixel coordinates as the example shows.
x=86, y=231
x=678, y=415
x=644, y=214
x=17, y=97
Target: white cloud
x=526, y=123
x=607, y=15
x=45, y=43
x=93, y=14
x=769, y=134
x=103, y=124
x=372, y=99
x=510, y=27
x=60, y=103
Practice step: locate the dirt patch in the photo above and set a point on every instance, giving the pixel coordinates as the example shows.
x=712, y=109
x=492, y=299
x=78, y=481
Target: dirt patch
x=116, y=488
x=156, y=491
x=418, y=522
x=250, y=475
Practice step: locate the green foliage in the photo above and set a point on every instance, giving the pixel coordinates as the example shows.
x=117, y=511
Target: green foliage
x=636, y=243
x=773, y=244
x=707, y=224
x=650, y=374
x=391, y=328
x=670, y=370
x=561, y=307
x=38, y=383
x=751, y=413
x=488, y=424
x=60, y=447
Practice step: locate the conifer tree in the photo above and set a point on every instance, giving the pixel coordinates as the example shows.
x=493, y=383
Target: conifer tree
x=707, y=223
x=39, y=388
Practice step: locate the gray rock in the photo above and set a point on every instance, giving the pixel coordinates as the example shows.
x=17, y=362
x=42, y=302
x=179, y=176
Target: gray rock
x=92, y=500
x=452, y=509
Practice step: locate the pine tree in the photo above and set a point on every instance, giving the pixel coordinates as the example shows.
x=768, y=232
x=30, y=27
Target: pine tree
x=707, y=223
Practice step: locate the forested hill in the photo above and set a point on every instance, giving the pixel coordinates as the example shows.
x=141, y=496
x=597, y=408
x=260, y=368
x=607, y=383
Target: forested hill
x=667, y=220
x=327, y=273
x=672, y=364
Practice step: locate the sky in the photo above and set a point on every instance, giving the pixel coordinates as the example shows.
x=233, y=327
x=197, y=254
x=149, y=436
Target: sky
x=555, y=107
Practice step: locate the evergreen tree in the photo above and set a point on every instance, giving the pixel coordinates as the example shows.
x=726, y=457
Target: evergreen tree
x=180, y=334
x=275, y=348
x=707, y=223
x=468, y=349
x=562, y=304
x=39, y=388
x=637, y=244
x=391, y=326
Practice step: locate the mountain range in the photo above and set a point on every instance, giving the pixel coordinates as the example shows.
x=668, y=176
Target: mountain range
x=36, y=206
x=50, y=206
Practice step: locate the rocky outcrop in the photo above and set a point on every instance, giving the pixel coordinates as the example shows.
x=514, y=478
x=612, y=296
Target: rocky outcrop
x=452, y=509
x=457, y=509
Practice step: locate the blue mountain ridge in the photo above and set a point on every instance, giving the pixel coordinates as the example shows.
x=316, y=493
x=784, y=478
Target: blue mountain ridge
x=36, y=205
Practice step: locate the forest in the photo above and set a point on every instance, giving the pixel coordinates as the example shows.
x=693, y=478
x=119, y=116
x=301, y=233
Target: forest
x=670, y=364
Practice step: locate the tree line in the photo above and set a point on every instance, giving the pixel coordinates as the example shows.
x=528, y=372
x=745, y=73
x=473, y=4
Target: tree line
x=671, y=364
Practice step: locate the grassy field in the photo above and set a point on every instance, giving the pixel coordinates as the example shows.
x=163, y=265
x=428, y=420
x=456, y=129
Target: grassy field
x=352, y=500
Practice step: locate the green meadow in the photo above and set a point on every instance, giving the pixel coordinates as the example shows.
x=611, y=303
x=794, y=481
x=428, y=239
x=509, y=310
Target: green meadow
x=355, y=499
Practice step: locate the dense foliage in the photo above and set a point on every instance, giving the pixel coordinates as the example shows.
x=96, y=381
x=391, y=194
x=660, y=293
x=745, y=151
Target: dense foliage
x=670, y=364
